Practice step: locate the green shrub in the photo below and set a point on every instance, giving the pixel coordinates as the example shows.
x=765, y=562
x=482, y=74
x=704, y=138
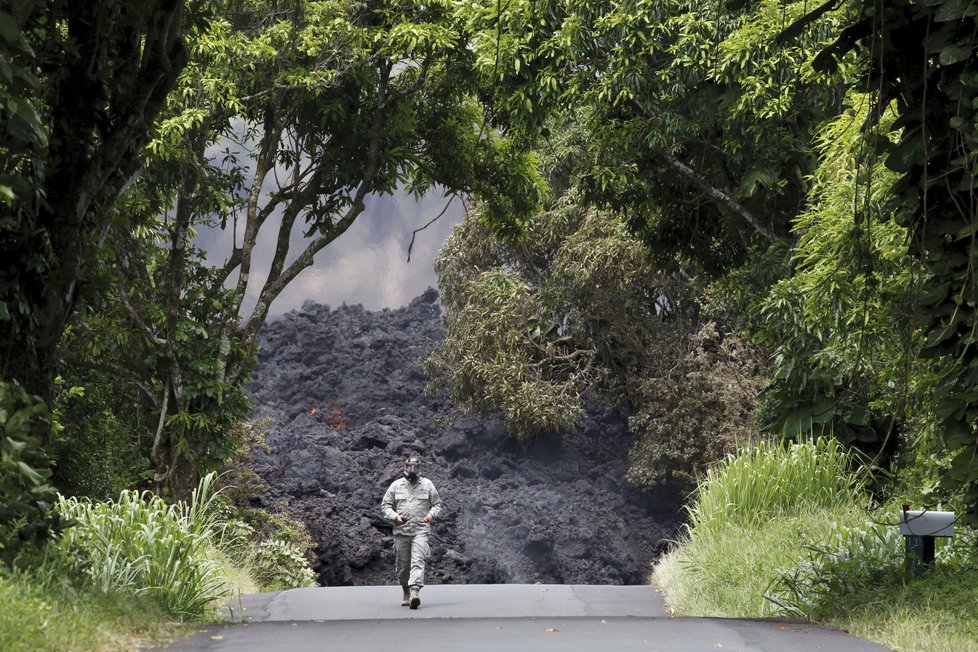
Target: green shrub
x=131, y=565
x=774, y=479
x=855, y=559
x=279, y=564
x=98, y=451
x=141, y=545
x=858, y=559
x=960, y=552
x=26, y=495
x=275, y=548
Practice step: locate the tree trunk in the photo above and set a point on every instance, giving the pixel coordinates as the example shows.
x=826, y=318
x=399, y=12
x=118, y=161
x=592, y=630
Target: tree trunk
x=95, y=139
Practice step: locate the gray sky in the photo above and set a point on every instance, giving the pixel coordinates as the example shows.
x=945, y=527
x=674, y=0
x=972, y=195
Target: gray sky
x=366, y=265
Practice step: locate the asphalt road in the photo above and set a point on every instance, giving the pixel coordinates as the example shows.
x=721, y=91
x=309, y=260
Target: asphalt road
x=497, y=618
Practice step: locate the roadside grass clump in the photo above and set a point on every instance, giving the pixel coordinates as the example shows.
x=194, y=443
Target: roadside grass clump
x=937, y=612
x=726, y=572
x=186, y=556
x=277, y=565
x=52, y=615
x=141, y=545
x=854, y=559
x=753, y=514
x=858, y=583
x=771, y=479
x=767, y=538
x=131, y=570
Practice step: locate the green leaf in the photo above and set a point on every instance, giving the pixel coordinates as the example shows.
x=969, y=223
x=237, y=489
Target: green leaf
x=29, y=473
x=9, y=32
x=954, y=10
x=954, y=53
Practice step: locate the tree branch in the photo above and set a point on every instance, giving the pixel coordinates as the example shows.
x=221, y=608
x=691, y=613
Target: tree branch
x=268, y=147
x=116, y=370
x=254, y=218
x=718, y=195
x=229, y=266
x=275, y=284
x=432, y=221
x=138, y=320
x=154, y=452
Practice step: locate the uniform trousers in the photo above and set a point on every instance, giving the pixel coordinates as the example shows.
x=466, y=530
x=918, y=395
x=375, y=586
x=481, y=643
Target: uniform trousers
x=410, y=556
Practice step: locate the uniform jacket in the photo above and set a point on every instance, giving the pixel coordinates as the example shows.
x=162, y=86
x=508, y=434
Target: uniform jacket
x=412, y=500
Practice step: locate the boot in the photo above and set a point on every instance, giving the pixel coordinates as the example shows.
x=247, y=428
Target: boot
x=415, y=600
x=406, y=600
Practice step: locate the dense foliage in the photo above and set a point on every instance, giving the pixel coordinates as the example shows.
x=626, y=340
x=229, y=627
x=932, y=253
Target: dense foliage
x=803, y=177
x=83, y=84
x=281, y=126
x=839, y=328
x=133, y=563
x=697, y=120
x=786, y=531
x=578, y=307
x=679, y=127
x=918, y=58
x=26, y=495
x=735, y=220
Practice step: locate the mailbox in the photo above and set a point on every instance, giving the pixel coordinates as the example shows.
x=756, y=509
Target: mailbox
x=920, y=527
x=925, y=523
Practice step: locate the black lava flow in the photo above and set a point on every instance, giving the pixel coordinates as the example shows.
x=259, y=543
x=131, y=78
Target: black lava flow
x=345, y=391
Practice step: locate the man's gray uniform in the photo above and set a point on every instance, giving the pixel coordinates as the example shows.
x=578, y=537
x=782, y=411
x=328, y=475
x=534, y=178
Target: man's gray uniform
x=413, y=501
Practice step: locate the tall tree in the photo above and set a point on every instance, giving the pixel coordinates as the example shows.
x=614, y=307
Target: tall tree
x=84, y=84
x=696, y=130
x=81, y=85
x=286, y=121
x=918, y=58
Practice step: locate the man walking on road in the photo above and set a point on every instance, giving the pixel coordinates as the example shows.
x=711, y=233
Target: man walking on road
x=411, y=503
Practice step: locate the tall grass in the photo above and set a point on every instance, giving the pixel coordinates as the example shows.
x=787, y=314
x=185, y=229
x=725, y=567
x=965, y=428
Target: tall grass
x=753, y=514
x=787, y=531
x=773, y=479
x=143, y=546
x=129, y=568
x=727, y=571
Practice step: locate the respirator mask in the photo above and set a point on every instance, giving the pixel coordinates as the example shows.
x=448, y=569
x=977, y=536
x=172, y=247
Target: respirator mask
x=411, y=469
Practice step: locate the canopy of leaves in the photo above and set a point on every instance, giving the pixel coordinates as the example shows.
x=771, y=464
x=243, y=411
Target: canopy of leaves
x=82, y=84
x=578, y=307
x=840, y=329
x=285, y=120
x=698, y=119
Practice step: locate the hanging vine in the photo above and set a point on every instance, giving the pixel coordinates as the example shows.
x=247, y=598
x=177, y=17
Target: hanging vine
x=920, y=56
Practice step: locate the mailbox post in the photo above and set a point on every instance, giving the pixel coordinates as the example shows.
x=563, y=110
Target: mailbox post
x=920, y=527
